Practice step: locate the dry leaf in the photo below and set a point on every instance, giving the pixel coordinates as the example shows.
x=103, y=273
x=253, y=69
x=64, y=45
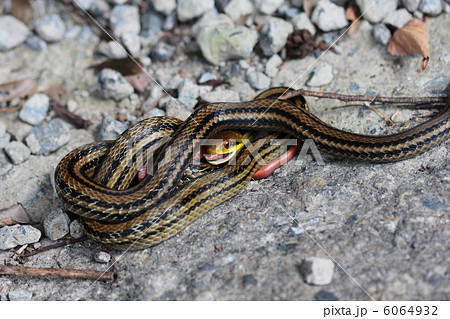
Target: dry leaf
x=22, y=88
x=126, y=66
x=21, y=9
x=352, y=14
x=56, y=92
x=13, y=215
x=308, y=6
x=138, y=81
x=412, y=38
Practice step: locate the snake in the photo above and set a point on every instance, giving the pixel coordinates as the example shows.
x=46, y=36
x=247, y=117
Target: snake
x=97, y=181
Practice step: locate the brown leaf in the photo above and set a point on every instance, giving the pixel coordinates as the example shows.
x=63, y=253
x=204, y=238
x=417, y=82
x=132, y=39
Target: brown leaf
x=412, y=38
x=352, y=14
x=22, y=88
x=56, y=92
x=21, y=9
x=13, y=215
x=138, y=81
x=126, y=66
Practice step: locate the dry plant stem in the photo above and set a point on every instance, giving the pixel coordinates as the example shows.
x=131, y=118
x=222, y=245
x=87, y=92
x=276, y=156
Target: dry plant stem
x=64, y=243
x=353, y=98
x=107, y=276
x=75, y=119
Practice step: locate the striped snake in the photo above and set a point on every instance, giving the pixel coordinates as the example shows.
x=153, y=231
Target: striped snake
x=95, y=181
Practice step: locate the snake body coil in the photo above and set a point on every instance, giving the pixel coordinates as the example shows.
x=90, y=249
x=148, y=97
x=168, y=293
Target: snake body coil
x=93, y=180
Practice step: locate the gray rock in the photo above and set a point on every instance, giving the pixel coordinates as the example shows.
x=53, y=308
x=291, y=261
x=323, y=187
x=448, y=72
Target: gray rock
x=190, y=9
x=153, y=22
x=301, y=21
x=317, y=271
x=132, y=42
x=4, y=298
x=56, y=224
x=20, y=295
x=328, y=16
x=12, y=236
x=163, y=51
x=155, y=112
x=72, y=32
x=268, y=6
x=175, y=108
x=12, y=32
x=411, y=5
x=112, y=85
x=124, y=20
x=377, y=11
x=102, y=257
x=257, y=80
x=274, y=34
x=321, y=75
x=272, y=65
x=221, y=96
x=220, y=43
x=51, y=28
x=35, y=43
x=49, y=137
x=111, y=128
x=431, y=7
x=248, y=280
x=87, y=35
x=170, y=22
x=164, y=6
x=100, y=8
x=238, y=8
x=5, y=165
x=398, y=18
x=17, y=152
x=111, y=50
x=76, y=229
x=188, y=92
x=35, y=109
x=382, y=34
x=4, y=136
x=207, y=76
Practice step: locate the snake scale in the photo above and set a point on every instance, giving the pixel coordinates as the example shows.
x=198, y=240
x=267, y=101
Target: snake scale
x=95, y=181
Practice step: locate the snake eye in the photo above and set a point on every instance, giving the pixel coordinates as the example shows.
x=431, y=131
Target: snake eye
x=226, y=144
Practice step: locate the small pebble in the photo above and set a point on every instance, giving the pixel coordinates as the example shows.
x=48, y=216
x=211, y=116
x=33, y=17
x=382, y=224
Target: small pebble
x=12, y=32
x=35, y=109
x=190, y=9
x=376, y=13
x=302, y=21
x=207, y=76
x=56, y=224
x=20, y=295
x=258, y=80
x=164, y=6
x=51, y=28
x=238, y=8
x=111, y=128
x=76, y=229
x=317, y=271
x=163, y=51
x=398, y=18
x=102, y=257
x=124, y=20
x=321, y=75
x=72, y=32
x=325, y=296
x=272, y=65
x=133, y=43
x=431, y=7
x=382, y=34
x=112, y=85
x=188, y=92
x=12, y=236
x=353, y=86
x=268, y=6
x=87, y=36
x=35, y=43
x=274, y=34
x=328, y=16
x=111, y=50
x=72, y=105
x=248, y=280
x=47, y=138
x=17, y=152
x=411, y=5
x=175, y=109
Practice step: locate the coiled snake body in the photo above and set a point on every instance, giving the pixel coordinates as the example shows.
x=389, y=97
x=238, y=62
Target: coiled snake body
x=93, y=181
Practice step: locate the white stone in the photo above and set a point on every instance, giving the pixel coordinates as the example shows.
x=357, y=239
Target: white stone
x=190, y=9
x=317, y=271
x=321, y=75
x=274, y=34
x=376, y=12
x=268, y=6
x=301, y=21
x=12, y=236
x=398, y=18
x=124, y=20
x=272, y=65
x=164, y=6
x=238, y=8
x=328, y=16
x=51, y=28
x=12, y=32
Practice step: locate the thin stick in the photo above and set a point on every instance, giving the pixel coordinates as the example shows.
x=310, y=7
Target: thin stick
x=75, y=119
x=64, y=243
x=106, y=276
x=352, y=98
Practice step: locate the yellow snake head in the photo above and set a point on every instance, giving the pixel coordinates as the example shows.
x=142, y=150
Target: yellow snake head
x=231, y=142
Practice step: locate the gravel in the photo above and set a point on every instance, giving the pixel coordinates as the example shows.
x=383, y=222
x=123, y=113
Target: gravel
x=272, y=65
x=112, y=85
x=164, y=6
x=124, y=20
x=321, y=75
x=398, y=18
x=274, y=34
x=328, y=16
x=376, y=12
x=102, y=257
x=431, y=7
x=56, y=224
x=17, y=152
x=382, y=34
x=190, y=9
x=47, y=138
x=239, y=8
x=268, y=6
x=111, y=129
x=301, y=21
x=257, y=80
x=163, y=51
x=317, y=271
x=76, y=229
x=51, y=28
x=35, y=109
x=20, y=295
x=12, y=32
x=12, y=236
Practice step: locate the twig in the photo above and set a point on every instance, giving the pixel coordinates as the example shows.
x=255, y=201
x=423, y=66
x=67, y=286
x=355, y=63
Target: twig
x=352, y=98
x=75, y=119
x=106, y=276
x=41, y=249
x=381, y=114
